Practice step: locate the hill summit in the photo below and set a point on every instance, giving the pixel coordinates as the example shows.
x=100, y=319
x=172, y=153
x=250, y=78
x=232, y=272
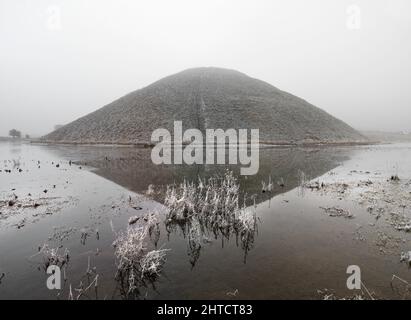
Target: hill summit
x=205, y=98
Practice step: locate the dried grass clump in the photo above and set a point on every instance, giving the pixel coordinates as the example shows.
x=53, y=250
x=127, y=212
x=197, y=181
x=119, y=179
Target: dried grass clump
x=135, y=264
x=129, y=250
x=152, y=263
x=209, y=206
x=365, y=294
x=130, y=246
x=247, y=221
x=330, y=295
x=213, y=201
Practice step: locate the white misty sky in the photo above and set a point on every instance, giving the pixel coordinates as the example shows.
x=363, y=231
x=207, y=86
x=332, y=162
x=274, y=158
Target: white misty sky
x=60, y=60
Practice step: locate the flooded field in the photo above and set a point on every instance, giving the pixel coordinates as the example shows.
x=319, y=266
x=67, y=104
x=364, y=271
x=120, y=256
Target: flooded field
x=305, y=217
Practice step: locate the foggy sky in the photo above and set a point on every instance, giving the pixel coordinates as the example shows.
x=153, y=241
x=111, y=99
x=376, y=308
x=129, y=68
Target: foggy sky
x=60, y=60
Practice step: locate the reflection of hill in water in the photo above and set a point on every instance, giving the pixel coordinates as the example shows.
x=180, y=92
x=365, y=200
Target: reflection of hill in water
x=133, y=168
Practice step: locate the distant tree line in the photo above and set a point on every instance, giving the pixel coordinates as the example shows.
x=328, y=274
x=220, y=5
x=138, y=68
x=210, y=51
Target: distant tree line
x=16, y=134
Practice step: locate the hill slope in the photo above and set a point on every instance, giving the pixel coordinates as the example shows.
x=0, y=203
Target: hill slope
x=207, y=98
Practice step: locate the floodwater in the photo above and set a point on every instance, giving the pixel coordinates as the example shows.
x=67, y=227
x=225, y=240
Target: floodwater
x=297, y=248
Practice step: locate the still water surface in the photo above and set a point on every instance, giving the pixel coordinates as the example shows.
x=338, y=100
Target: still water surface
x=296, y=250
